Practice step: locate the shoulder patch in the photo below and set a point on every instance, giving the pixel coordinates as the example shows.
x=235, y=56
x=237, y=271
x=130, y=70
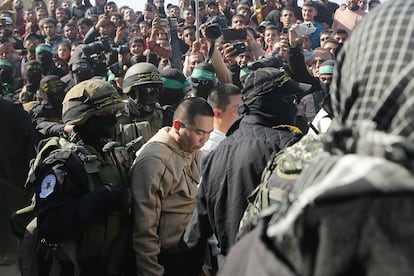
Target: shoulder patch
x=48, y=185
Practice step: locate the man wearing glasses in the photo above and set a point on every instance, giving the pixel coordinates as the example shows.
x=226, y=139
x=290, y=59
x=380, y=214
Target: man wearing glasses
x=165, y=181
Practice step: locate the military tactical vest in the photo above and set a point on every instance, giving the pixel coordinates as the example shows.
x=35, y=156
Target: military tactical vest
x=98, y=236
x=129, y=129
x=278, y=178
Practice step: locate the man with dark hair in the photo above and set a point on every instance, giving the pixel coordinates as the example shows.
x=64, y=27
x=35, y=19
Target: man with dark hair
x=164, y=184
x=188, y=16
x=189, y=35
x=332, y=45
x=52, y=38
x=309, y=13
x=84, y=25
x=224, y=99
x=341, y=35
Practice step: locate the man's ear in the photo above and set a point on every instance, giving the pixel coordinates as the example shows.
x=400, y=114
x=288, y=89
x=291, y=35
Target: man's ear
x=217, y=112
x=176, y=125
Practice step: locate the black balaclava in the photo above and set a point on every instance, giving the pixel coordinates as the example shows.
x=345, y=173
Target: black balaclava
x=98, y=130
x=268, y=93
x=143, y=98
x=52, y=89
x=33, y=75
x=175, y=85
x=203, y=79
x=45, y=57
x=326, y=68
x=80, y=71
x=6, y=77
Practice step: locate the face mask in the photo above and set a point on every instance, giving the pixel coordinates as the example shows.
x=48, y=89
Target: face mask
x=142, y=99
x=55, y=99
x=81, y=75
x=6, y=74
x=98, y=130
x=325, y=87
x=34, y=77
x=60, y=72
x=201, y=88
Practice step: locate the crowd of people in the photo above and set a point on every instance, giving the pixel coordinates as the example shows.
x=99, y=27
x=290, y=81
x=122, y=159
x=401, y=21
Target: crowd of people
x=232, y=139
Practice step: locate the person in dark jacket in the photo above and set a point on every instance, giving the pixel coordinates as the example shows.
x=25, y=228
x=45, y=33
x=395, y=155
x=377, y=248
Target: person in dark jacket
x=232, y=171
x=18, y=139
x=47, y=115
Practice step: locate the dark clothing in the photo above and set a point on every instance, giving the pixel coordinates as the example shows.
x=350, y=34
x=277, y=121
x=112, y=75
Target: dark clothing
x=81, y=202
x=18, y=139
x=297, y=68
x=235, y=75
x=230, y=173
x=326, y=12
x=47, y=119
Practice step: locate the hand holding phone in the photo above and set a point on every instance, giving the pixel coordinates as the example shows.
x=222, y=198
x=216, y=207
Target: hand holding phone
x=305, y=28
x=239, y=48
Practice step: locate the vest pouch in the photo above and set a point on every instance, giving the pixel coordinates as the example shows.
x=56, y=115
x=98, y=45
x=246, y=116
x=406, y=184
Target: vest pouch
x=132, y=131
x=94, y=246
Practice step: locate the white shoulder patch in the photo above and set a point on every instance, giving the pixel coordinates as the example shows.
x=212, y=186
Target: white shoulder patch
x=47, y=186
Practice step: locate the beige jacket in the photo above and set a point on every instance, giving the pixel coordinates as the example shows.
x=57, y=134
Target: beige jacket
x=164, y=182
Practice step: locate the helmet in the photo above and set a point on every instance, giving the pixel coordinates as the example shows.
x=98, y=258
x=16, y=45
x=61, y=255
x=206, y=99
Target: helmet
x=88, y=98
x=139, y=74
x=51, y=84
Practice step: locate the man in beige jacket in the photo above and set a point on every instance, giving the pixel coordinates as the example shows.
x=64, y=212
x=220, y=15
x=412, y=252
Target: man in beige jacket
x=164, y=185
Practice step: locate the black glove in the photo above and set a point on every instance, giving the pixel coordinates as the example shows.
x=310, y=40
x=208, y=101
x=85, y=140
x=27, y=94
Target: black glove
x=107, y=198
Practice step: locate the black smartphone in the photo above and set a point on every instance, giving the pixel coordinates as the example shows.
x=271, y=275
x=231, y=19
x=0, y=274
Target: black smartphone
x=240, y=48
x=234, y=34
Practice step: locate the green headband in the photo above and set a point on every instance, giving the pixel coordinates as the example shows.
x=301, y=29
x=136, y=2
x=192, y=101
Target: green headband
x=203, y=74
x=244, y=72
x=6, y=63
x=43, y=48
x=174, y=84
x=326, y=70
